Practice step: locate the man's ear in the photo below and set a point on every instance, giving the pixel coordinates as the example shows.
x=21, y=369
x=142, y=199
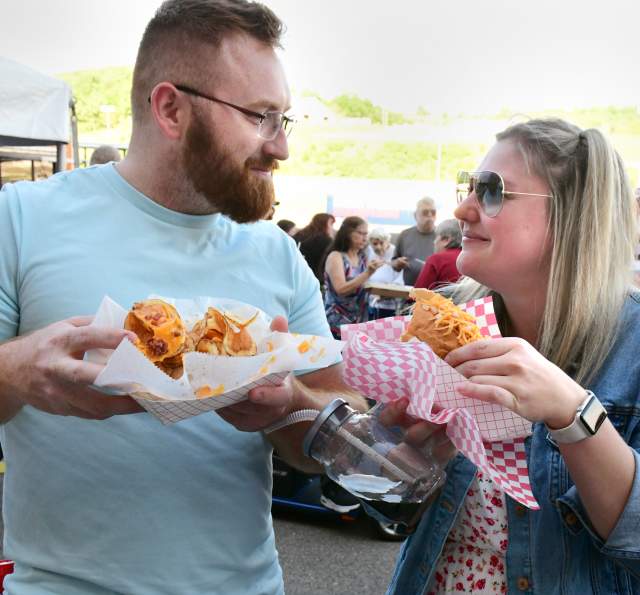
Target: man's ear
x=170, y=110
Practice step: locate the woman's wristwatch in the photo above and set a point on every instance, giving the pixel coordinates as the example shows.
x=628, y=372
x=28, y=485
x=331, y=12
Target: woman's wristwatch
x=590, y=415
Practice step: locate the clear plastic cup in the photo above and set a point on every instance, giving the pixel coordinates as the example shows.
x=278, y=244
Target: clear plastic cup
x=373, y=461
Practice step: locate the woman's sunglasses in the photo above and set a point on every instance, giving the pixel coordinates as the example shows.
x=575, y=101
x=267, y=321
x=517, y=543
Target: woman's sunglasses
x=489, y=189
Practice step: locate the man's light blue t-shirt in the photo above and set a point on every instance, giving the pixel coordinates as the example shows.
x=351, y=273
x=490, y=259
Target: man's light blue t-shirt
x=127, y=505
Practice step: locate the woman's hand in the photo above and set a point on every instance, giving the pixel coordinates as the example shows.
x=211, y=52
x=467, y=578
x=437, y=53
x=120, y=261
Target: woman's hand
x=374, y=265
x=511, y=373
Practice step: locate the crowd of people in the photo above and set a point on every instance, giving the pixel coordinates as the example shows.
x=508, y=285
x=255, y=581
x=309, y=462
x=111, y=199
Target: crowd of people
x=100, y=498
x=347, y=260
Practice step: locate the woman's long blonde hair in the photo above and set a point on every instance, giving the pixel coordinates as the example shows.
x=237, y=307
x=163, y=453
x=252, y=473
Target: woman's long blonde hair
x=592, y=222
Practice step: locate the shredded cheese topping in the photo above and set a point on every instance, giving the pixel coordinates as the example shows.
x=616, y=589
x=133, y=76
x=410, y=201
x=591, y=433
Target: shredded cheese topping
x=448, y=318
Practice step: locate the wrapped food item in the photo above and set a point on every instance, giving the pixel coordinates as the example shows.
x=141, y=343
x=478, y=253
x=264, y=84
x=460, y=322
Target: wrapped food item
x=441, y=324
x=219, y=333
x=163, y=338
x=159, y=328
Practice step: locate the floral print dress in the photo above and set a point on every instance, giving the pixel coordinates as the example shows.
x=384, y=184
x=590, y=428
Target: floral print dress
x=473, y=558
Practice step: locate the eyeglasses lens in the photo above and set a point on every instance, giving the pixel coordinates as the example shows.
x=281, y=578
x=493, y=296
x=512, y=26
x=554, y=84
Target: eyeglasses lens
x=270, y=126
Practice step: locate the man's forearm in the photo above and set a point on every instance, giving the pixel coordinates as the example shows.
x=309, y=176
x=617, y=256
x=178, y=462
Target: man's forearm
x=315, y=390
x=9, y=404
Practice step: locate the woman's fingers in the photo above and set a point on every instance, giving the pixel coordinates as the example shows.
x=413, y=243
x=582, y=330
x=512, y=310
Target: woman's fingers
x=488, y=389
x=485, y=348
x=500, y=365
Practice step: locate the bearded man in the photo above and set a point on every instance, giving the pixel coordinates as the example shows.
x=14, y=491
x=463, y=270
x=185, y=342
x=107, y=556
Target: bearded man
x=99, y=497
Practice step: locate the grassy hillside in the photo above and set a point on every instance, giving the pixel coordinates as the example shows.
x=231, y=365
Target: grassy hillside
x=365, y=151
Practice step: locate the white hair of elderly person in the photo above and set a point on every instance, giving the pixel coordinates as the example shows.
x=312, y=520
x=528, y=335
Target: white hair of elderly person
x=381, y=248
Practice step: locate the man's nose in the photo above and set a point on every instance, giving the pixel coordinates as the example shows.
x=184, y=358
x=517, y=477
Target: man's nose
x=277, y=148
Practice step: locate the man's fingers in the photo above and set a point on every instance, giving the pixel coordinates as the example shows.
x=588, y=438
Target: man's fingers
x=394, y=413
x=272, y=396
x=250, y=422
x=97, y=405
x=96, y=337
x=422, y=431
x=279, y=324
x=78, y=371
x=80, y=320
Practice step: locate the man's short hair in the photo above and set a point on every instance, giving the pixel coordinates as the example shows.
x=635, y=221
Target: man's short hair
x=105, y=154
x=450, y=228
x=172, y=43
x=425, y=201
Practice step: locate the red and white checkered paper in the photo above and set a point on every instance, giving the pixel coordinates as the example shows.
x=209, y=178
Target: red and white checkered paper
x=383, y=368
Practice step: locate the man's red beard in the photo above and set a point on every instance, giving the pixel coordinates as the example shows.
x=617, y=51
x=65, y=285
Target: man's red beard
x=232, y=191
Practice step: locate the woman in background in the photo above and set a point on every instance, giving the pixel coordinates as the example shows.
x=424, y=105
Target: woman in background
x=346, y=272
x=314, y=241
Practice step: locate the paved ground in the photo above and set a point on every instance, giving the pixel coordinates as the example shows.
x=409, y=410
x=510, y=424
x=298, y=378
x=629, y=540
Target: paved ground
x=324, y=557
x=320, y=556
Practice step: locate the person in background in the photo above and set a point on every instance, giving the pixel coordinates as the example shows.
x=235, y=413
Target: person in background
x=96, y=500
x=105, y=154
x=415, y=244
x=440, y=267
x=289, y=227
x=272, y=211
x=548, y=230
x=380, y=248
x=314, y=241
x=346, y=272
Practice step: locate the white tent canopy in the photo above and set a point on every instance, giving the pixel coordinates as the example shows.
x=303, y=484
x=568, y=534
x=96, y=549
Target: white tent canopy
x=34, y=108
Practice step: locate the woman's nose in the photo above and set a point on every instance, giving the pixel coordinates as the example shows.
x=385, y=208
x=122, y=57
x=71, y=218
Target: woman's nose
x=467, y=210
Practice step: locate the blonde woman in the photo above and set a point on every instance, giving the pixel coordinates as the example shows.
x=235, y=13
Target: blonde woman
x=548, y=229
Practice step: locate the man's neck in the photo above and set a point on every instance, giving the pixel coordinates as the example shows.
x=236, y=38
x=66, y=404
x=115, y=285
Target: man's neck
x=164, y=186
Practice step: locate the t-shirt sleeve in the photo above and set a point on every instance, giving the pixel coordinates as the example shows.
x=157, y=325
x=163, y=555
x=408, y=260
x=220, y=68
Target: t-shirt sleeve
x=9, y=308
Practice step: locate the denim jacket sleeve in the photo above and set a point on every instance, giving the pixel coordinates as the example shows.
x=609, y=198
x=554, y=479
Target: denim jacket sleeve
x=623, y=544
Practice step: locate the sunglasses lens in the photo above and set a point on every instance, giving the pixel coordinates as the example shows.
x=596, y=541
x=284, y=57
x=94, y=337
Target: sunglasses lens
x=489, y=192
x=463, y=185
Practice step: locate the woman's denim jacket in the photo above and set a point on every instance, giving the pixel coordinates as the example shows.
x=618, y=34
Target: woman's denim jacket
x=554, y=549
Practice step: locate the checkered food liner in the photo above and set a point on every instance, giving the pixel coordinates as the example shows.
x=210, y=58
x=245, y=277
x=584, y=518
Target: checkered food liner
x=128, y=371
x=383, y=368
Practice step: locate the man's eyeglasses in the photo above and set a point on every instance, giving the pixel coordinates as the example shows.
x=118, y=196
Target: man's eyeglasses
x=269, y=123
x=489, y=190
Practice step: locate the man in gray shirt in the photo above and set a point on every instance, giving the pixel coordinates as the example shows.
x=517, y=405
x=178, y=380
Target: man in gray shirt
x=415, y=245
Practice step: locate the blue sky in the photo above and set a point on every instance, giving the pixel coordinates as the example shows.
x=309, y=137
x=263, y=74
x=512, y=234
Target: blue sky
x=447, y=55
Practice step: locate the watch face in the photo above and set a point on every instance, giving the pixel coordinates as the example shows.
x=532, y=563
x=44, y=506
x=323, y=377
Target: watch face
x=593, y=415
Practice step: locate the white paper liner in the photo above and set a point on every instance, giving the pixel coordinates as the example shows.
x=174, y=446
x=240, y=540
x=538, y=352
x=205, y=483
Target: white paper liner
x=128, y=371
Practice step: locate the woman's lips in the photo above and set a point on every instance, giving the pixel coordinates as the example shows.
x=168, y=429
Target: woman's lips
x=470, y=238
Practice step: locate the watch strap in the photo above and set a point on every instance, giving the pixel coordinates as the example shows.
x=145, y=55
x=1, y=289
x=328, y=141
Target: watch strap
x=578, y=430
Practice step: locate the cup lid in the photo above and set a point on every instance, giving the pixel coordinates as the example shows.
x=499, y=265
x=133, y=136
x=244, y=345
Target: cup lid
x=323, y=416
